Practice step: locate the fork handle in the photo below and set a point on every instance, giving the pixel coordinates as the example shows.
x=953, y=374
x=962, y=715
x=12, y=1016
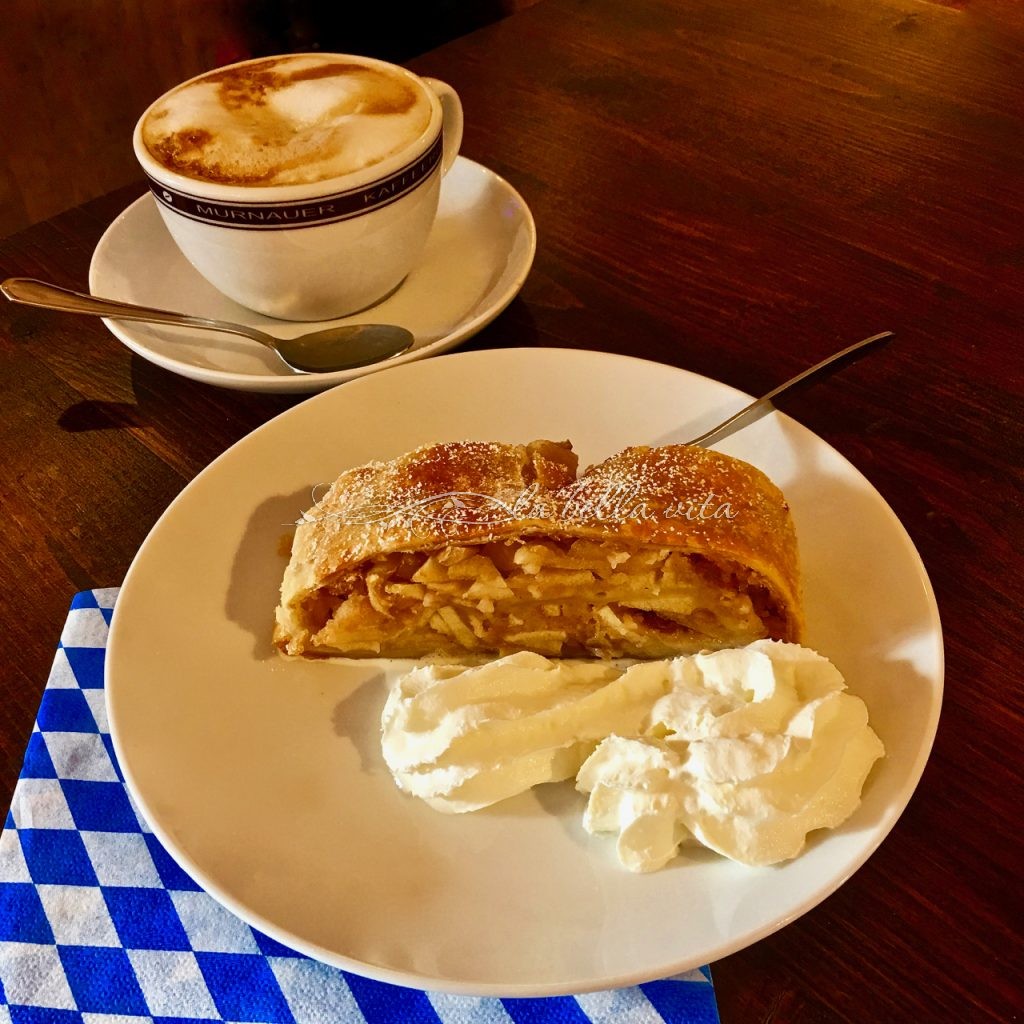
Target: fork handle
x=761, y=405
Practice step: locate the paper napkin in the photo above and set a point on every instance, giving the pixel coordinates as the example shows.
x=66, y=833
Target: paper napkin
x=98, y=925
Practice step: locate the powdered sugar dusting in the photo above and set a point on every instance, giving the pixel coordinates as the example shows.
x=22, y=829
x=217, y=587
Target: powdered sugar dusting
x=472, y=492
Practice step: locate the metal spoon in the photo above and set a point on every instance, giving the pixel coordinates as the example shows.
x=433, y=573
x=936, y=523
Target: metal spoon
x=336, y=348
x=757, y=408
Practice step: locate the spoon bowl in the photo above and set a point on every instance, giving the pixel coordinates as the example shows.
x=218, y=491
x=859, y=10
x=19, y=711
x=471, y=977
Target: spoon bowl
x=327, y=350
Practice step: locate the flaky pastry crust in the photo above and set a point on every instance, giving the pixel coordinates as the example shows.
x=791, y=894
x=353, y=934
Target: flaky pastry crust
x=487, y=547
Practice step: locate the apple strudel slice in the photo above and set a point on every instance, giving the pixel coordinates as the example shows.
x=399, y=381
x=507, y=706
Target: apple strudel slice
x=489, y=548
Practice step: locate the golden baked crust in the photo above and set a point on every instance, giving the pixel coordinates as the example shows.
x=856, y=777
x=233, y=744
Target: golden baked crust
x=484, y=547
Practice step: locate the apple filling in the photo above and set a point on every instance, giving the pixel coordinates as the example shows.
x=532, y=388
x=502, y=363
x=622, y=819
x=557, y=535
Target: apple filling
x=560, y=598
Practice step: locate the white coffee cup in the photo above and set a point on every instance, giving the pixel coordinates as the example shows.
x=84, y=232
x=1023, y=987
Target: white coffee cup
x=293, y=200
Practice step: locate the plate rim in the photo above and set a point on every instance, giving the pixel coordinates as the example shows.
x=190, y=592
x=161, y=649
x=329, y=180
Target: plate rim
x=294, y=383
x=425, y=982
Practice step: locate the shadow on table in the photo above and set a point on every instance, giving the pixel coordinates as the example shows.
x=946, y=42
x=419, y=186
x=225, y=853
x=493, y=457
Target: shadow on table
x=95, y=415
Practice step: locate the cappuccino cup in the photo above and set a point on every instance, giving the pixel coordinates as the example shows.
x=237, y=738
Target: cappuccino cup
x=302, y=186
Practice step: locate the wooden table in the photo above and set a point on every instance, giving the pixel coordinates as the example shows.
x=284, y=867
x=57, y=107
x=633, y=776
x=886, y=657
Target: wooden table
x=736, y=188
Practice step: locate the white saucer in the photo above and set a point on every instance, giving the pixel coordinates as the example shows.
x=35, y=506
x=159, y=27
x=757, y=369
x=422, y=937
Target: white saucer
x=476, y=260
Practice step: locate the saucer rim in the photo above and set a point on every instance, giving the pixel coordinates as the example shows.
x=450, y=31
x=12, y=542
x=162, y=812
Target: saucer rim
x=125, y=331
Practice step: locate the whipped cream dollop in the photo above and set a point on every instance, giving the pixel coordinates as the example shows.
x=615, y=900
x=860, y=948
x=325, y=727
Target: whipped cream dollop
x=463, y=738
x=745, y=751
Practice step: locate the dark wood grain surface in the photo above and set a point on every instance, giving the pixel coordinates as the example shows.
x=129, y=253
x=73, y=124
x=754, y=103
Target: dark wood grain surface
x=739, y=189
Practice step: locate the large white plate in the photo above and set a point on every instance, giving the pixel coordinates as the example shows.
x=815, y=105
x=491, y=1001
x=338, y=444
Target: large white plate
x=264, y=778
x=477, y=257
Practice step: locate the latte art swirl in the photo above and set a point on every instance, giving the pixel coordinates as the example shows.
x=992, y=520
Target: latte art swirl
x=286, y=121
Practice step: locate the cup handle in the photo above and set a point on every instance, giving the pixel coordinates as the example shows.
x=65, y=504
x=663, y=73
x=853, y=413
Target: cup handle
x=451, y=109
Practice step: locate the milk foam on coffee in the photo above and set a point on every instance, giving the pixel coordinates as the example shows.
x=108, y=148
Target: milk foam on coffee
x=286, y=121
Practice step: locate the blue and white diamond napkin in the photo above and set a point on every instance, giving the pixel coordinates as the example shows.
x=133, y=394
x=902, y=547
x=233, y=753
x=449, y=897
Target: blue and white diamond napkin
x=98, y=925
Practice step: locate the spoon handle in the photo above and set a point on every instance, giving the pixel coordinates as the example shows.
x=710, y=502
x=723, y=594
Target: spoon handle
x=30, y=292
x=762, y=405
